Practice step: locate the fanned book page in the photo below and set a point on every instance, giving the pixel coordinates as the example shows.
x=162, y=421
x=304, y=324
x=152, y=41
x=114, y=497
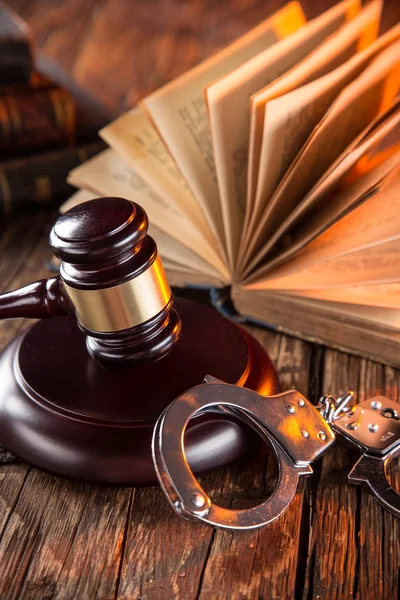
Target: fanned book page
x=229, y=96
x=179, y=111
x=274, y=168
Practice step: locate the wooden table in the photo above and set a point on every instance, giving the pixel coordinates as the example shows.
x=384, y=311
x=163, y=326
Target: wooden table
x=60, y=540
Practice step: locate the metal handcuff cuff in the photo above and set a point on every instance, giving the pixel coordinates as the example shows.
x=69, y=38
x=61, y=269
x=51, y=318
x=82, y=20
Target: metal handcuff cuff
x=298, y=434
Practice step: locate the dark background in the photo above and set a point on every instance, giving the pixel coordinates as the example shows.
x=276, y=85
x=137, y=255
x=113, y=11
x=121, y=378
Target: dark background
x=121, y=50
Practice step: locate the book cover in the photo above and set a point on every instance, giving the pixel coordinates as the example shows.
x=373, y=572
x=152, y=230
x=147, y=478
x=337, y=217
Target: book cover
x=36, y=119
x=35, y=181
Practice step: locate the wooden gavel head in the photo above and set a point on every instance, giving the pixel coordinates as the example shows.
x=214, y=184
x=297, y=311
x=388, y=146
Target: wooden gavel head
x=112, y=277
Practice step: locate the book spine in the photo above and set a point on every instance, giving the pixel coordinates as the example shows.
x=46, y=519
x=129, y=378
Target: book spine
x=37, y=81
x=15, y=62
x=36, y=120
x=16, y=54
x=39, y=180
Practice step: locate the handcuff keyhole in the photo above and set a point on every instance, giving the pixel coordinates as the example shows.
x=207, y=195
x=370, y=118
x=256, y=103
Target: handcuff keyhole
x=390, y=413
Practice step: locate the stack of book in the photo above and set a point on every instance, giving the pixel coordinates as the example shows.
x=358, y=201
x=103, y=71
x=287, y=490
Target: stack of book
x=45, y=129
x=267, y=170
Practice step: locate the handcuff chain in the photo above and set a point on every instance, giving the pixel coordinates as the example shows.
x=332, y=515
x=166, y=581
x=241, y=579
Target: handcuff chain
x=332, y=408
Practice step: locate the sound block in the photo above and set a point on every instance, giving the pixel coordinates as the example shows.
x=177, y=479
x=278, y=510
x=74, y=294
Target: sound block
x=68, y=414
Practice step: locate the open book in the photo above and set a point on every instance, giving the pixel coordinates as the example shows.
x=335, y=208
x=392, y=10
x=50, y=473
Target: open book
x=271, y=168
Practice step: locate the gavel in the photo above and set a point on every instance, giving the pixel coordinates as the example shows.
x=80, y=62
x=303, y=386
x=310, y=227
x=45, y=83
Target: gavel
x=111, y=277
x=82, y=390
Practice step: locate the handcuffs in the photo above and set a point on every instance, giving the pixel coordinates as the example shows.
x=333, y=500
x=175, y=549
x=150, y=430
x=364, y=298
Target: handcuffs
x=298, y=433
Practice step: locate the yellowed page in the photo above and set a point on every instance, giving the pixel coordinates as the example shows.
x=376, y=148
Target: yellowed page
x=289, y=121
x=179, y=112
x=173, y=250
x=376, y=221
x=173, y=266
x=228, y=106
x=357, y=106
x=184, y=278
x=134, y=137
x=107, y=174
x=272, y=153
x=338, y=48
x=345, y=199
x=320, y=193
x=375, y=264
x=380, y=129
x=182, y=275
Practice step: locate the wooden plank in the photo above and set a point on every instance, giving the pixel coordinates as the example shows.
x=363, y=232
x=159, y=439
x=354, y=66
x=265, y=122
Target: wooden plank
x=165, y=557
x=331, y=569
x=91, y=566
x=24, y=251
x=12, y=479
x=16, y=244
x=63, y=540
x=56, y=537
x=351, y=533
x=31, y=516
x=17, y=267
x=379, y=531
x=262, y=563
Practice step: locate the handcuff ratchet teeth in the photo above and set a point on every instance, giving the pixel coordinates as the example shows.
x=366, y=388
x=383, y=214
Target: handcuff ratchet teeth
x=297, y=432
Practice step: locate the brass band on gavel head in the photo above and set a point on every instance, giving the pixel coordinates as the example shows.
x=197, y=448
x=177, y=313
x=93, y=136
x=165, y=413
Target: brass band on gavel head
x=125, y=305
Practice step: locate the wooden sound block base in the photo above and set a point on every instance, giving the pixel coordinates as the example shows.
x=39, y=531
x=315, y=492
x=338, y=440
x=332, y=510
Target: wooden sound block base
x=68, y=414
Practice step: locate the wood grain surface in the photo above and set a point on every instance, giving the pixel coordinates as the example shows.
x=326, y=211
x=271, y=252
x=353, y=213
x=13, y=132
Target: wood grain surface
x=61, y=540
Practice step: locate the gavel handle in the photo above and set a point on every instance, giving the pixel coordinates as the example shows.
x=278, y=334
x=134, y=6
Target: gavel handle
x=39, y=300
